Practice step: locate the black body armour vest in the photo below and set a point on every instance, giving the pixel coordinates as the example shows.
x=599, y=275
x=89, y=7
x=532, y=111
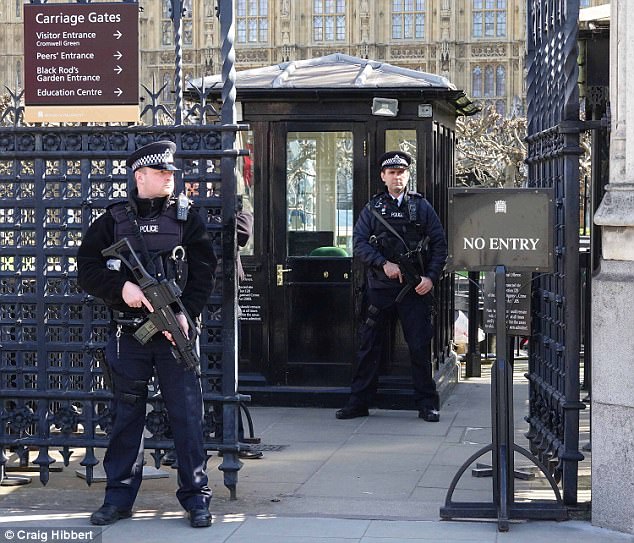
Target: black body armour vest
x=161, y=235
x=403, y=219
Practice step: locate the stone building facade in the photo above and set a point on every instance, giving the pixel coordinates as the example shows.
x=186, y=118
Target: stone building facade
x=477, y=44
x=612, y=294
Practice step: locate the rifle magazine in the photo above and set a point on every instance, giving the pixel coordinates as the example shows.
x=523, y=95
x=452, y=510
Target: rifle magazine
x=145, y=332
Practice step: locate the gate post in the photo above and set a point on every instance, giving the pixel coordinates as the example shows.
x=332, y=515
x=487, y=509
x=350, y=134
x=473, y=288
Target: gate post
x=231, y=407
x=612, y=295
x=177, y=20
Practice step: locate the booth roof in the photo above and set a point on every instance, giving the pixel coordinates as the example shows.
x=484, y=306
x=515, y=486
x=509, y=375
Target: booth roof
x=336, y=72
x=332, y=71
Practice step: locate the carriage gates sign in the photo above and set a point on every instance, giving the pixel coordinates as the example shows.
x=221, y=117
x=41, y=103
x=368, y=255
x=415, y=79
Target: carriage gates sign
x=500, y=227
x=78, y=56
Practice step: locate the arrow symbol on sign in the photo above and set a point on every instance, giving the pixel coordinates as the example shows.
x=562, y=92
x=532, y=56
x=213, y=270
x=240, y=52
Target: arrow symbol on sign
x=118, y=92
x=118, y=69
x=118, y=34
x=117, y=55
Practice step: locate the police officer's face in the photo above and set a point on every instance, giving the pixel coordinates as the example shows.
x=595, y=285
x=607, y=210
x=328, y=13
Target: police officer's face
x=153, y=183
x=395, y=180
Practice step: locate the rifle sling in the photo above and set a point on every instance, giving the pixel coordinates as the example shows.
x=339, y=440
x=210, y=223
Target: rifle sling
x=390, y=228
x=407, y=287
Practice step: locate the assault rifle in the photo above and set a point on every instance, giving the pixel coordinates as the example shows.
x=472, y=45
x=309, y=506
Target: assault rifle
x=405, y=260
x=164, y=296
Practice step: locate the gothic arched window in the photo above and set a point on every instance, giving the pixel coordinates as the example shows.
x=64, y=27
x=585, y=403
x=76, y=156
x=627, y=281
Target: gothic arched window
x=476, y=82
x=489, y=82
x=500, y=81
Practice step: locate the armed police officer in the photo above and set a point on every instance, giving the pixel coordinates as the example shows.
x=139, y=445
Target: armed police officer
x=173, y=243
x=402, y=244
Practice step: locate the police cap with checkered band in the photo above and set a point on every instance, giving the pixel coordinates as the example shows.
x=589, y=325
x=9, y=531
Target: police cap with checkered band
x=395, y=159
x=158, y=156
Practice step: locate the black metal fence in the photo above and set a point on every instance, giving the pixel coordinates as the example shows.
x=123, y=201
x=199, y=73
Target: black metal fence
x=55, y=180
x=553, y=160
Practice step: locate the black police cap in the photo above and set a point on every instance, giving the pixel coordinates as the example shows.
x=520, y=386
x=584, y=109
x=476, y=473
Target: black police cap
x=395, y=159
x=158, y=156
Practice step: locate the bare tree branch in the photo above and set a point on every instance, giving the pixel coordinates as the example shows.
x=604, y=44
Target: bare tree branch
x=491, y=151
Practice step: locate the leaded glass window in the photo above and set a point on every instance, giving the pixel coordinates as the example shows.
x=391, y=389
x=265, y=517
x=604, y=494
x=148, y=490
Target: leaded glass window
x=489, y=83
x=252, y=23
x=500, y=81
x=408, y=19
x=488, y=18
x=329, y=20
x=476, y=82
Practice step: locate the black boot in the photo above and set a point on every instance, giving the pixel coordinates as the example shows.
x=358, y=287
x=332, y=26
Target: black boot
x=428, y=414
x=352, y=412
x=199, y=518
x=109, y=514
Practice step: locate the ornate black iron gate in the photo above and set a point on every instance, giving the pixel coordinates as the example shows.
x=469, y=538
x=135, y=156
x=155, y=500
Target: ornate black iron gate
x=553, y=160
x=53, y=182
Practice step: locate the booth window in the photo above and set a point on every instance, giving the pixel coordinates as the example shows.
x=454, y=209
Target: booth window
x=404, y=140
x=319, y=175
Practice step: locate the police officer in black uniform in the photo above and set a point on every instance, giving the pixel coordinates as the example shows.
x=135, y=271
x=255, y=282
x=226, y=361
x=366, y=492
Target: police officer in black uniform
x=397, y=224
x=156, y=223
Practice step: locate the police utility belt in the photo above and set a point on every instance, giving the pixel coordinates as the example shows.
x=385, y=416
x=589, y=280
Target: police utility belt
x=127, y=323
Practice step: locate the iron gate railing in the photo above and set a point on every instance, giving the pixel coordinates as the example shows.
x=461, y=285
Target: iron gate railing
x=553, y=161
x=54, y=180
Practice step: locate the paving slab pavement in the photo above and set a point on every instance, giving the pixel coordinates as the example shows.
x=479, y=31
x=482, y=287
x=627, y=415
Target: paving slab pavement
x=379, y=479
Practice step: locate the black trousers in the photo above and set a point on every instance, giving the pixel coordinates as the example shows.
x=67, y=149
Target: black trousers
x=414, y=313
x=132, y=365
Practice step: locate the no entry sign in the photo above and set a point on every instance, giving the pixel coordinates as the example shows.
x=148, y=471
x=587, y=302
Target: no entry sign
x=78, y=56
x=500, y=227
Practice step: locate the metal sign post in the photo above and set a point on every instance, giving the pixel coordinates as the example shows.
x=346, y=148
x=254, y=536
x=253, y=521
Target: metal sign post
x=493, y=229
x=501, y=422
x=518, y=303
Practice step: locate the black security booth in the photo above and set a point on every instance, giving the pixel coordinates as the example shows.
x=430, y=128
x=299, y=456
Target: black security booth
x=317, y=128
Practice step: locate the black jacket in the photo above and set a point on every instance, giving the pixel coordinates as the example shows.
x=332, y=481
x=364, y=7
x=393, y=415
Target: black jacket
x=95, y=279
x=426, y=223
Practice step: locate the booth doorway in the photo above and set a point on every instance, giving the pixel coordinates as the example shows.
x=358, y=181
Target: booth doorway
x=316, y=168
